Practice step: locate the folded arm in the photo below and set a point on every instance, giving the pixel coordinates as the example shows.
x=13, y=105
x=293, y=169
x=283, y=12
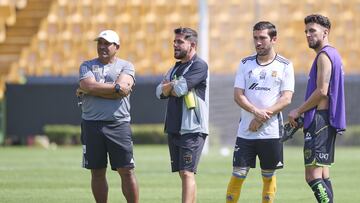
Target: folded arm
x=92, y=87
x=179, y=87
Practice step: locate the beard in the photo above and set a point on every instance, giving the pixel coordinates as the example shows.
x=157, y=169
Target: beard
x=180, y=54
x=314, y=45
x=263, y=52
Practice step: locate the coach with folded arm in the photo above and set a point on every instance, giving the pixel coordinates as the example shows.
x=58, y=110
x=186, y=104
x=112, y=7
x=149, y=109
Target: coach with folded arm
x=105, y=85
x=186, y=87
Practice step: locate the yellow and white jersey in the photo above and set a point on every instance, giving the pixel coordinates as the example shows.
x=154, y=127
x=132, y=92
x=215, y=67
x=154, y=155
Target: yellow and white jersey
x=262, y=85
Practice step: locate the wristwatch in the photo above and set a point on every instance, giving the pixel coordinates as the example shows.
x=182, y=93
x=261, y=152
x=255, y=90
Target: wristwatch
x=117, y=88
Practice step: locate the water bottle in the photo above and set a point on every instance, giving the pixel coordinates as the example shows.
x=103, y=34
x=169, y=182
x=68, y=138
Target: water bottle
x=190, y=100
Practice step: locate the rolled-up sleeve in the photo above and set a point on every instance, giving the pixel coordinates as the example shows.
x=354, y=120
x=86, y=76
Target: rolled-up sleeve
x=85, y=71
x=196, y=74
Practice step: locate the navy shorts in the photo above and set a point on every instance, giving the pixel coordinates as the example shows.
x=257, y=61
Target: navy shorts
x=319, y=141
x=269, y=151
x=185, y=151
x=103, y=138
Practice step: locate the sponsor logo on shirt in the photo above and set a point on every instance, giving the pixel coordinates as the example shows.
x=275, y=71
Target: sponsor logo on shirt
x=254, y=86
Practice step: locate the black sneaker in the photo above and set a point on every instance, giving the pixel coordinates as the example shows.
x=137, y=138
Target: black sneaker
x=289, y=131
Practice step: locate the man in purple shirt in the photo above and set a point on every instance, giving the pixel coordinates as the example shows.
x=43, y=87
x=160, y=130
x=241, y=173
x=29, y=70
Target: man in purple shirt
x=324, y=108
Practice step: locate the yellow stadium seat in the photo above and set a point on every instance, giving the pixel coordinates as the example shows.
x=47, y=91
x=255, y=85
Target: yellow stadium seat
x=5, y=8
x=28, y=61
x=15, y=74
x=76, y=26
x=2, y=30
x=20, y=4
x=65, y=37
x=350, y=60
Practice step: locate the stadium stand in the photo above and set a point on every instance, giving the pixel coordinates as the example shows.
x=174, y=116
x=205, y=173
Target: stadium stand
x=52, y=37
x=19, y=20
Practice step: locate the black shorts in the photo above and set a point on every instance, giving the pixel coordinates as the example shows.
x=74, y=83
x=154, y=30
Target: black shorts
x=319, y=141
x=269, y=151
x=185, y=151
x=100, y=138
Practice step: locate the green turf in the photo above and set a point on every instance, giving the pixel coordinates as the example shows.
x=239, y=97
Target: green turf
x=35, y=175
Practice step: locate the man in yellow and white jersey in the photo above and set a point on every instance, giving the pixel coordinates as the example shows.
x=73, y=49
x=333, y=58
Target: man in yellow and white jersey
x=264, y=86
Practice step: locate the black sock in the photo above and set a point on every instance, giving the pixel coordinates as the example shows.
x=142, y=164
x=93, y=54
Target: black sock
x=321, y=191
x=328, y=184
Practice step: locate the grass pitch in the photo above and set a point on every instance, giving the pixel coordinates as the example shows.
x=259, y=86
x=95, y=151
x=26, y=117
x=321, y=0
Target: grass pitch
x=35, y=175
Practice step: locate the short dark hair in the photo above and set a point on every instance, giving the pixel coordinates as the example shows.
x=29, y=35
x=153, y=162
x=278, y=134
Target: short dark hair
x=263, y=25
x=318, y=19
x=190, y=34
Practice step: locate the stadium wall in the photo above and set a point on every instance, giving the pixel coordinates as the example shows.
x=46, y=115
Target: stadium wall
x=29, y=107
x=225, y=114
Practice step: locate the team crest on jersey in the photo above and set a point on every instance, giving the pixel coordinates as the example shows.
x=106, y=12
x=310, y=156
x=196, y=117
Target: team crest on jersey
x=274, y=73
x=95, y=68
x=262, y=75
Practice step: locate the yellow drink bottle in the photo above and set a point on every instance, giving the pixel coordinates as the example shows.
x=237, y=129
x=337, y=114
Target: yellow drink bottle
x=190, y=100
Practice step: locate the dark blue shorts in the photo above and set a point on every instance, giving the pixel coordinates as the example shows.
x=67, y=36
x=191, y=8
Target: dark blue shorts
x=269, y=151
x=319, y=141
x=103, y=138
x=185, y=151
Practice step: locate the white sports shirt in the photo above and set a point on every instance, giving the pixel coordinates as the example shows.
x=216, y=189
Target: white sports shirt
x=262, y=85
